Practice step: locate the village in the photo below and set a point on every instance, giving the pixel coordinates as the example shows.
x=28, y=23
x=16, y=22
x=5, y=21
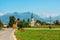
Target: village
x=29, y=19
x=14, y=22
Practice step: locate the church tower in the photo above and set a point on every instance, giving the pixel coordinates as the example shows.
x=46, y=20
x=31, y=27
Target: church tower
x=32, y=17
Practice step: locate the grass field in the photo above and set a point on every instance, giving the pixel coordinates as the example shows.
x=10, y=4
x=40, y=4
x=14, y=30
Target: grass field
x=38, y=35
x=46, y=26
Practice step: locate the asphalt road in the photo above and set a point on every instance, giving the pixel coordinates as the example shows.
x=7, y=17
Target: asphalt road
x=6, y=34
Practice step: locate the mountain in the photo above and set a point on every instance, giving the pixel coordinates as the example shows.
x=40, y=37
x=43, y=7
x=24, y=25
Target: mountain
x=57, y=17
x=25, y=15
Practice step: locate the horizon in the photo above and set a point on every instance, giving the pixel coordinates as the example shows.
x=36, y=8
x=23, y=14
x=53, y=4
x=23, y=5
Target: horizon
x=43, y=8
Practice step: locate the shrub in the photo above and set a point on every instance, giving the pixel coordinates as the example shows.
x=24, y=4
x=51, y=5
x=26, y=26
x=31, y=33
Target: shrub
x=49, y=27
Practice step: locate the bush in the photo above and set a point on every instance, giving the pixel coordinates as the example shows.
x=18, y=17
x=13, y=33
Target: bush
x=22, y=24
x=49, y=27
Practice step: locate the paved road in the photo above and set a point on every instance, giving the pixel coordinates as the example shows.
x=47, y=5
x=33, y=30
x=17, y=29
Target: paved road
x=6, y=34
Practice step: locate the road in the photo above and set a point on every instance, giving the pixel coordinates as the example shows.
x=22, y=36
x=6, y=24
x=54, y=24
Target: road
x=6, y=34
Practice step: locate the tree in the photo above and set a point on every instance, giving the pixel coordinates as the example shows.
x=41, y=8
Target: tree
x=0, y=25
x=57, y=22
x=38, y=21
x=23, y=20
x=20, y=25
x=28, y=20
x=26, y=24
x=18, y=19
x=12, y=21
x=50, y=27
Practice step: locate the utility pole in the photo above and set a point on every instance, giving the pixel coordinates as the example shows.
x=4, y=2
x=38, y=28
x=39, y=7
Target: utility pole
x=50, y=23
x=50, y=20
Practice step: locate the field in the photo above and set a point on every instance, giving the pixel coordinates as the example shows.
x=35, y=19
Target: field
x=46, y=26
x=38, y=35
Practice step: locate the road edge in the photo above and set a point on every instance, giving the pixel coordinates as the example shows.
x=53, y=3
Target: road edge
x=14, y=35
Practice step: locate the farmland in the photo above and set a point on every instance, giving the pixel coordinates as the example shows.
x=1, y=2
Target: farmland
x=38, y=34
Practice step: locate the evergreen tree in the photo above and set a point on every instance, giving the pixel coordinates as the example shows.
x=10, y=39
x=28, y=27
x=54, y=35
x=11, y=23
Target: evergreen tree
x=28, y=20
x=23, y=20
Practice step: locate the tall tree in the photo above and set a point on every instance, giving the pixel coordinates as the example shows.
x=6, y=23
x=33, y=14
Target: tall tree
x=12, y=21
x=0, y=25
x=23, y=20
x=28, y=20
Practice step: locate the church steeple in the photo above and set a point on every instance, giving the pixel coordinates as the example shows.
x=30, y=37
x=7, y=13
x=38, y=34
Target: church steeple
x=32, y=16
x=32, y=20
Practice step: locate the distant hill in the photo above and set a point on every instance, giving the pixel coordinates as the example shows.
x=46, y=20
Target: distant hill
x=25, y=15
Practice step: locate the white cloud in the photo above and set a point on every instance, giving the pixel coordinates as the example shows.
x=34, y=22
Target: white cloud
x=46, y=15
x=1, y=14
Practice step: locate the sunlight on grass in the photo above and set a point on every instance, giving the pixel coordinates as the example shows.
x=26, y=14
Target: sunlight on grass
x=39, y=34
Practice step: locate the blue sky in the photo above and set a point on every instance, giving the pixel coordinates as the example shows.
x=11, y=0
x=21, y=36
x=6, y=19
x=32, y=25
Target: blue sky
x=43, y=8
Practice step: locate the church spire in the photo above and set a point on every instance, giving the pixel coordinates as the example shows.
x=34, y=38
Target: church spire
x=32, y=20
x=32, y=15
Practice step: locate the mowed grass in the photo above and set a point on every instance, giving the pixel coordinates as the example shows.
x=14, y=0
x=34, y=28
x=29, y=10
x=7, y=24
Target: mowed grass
x=38, y=35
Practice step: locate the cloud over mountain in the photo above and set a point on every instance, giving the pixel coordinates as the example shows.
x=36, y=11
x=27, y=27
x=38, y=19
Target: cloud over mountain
x=47, y=15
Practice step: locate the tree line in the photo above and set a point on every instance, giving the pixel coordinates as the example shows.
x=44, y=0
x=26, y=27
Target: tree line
x=23, y=23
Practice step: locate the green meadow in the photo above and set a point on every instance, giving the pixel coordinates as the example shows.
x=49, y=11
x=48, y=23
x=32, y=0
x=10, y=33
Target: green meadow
x=38, y=35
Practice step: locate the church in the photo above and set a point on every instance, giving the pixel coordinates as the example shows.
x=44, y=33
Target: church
x=32, y=23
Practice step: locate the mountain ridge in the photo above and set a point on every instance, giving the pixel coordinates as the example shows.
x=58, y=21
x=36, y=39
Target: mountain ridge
x=26, y=15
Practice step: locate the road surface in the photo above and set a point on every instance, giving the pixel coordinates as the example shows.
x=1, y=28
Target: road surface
x=6, y=34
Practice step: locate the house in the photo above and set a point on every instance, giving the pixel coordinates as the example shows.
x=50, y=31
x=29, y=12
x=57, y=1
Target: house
x=49, y=23
x=38, y=23
x=59, y=22
x=17, y=21
x=5, y=25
